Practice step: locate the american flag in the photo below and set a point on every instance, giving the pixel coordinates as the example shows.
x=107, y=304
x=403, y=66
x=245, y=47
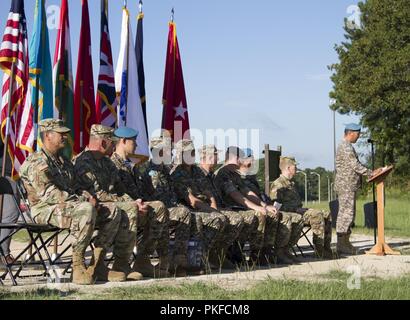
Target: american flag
x=106, y=103
x=14, y=120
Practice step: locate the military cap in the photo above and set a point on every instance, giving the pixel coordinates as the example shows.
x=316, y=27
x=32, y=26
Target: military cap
x=56, y=125
x=126, y=133
x=248, y=153
x=184, y=145
x=98, y=130
x=208, y=149
x=160, y=142
x=287, y=161
x=353, y=127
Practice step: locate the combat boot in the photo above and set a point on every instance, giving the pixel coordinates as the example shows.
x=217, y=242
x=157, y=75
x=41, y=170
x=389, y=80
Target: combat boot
x=344, y=246
x=122, y=266
x=144, y=266
x=97, y=268
x=80, y=274
x=291, y=256
x=266, y=257
x=282, y=257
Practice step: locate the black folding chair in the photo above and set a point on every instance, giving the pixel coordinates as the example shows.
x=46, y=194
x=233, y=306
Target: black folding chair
x=35, y=232
x=304, y=233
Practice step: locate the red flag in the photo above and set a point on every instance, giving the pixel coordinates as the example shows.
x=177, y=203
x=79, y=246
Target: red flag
x=84, y=100
x=106, y=102
x=175, y=113
x=16, y=120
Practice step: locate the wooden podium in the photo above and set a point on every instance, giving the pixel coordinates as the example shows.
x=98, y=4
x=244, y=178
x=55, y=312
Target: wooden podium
x=381, y=248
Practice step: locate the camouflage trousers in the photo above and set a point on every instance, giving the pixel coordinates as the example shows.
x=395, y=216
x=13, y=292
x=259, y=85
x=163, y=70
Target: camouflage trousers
x=253, y=230
x=155, y=229
x=321, y=223
x=117, y=227
x=210, y=227
x=180, y=227
x=79, y=217
x=289, y=230
x=347, y=212
x=234, y=226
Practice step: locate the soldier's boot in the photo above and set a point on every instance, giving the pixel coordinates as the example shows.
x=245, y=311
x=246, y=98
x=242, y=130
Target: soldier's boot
x=282, y=257
x=100, y=272
x=144, y=266
x=344, y=246
x=179, y=265
x=319, y=247
x=327, y=250
x=122, y=266
x=80, y=274
x=291, y=256
x=266, y=257
x=97, y=268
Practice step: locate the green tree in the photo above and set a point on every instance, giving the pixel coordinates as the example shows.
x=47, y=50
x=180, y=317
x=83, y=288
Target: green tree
x=372, y=78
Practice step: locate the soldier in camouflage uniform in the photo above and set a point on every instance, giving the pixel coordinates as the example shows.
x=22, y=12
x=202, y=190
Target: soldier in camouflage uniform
x=283, y=190
x=196, y=195
x=270, y=232
x=347, y=182
x=118, y=212
x=137, y=188
x=248, y=175
x=291, y=225
x=184, y=222
x=203, y=175
x=55, y=196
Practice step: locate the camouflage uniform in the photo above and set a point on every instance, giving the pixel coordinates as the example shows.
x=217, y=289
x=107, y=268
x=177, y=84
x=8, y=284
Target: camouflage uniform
x=347, y=182
x=137, y=188
x=117, y=218
x=284, y=191
x=213, y=223
x=235, y=222
x=56, y=198
x=259, y=231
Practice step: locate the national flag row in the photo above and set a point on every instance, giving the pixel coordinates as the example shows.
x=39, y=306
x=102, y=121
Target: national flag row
x=33, y=89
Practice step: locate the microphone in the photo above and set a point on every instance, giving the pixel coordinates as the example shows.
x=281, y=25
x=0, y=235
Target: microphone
x=371, y=141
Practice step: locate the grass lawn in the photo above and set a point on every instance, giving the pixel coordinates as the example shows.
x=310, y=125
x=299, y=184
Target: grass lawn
x=397, y=214
x=332, y=286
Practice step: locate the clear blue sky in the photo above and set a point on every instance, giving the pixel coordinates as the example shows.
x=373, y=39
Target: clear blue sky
x=247, y=64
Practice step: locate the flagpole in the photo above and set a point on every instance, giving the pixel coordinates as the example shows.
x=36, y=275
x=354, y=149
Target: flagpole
x=140, y=6
x=36, y=112
x=81, y=114
x=128, y=64
x=6, y=138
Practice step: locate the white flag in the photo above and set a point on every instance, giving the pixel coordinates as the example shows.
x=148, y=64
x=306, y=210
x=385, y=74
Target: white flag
x=129, y=109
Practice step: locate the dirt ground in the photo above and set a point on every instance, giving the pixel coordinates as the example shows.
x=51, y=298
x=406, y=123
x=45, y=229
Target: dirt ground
x=308, y=269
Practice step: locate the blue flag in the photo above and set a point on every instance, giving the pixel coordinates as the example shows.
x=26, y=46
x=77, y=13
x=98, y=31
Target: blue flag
x=40, y=93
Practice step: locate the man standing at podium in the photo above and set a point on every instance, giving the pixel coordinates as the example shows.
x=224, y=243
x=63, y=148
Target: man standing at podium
x=347, y=182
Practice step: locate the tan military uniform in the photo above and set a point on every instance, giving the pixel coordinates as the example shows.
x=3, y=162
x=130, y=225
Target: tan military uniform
x=347, y=182
x=283, y=190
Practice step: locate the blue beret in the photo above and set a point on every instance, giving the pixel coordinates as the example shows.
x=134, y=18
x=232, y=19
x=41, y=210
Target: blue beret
x=353, y=127
x=126, y=133
x=248, y=152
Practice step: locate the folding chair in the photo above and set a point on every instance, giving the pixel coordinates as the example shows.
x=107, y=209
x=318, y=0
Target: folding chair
x=35, y=232
x=305, y=231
